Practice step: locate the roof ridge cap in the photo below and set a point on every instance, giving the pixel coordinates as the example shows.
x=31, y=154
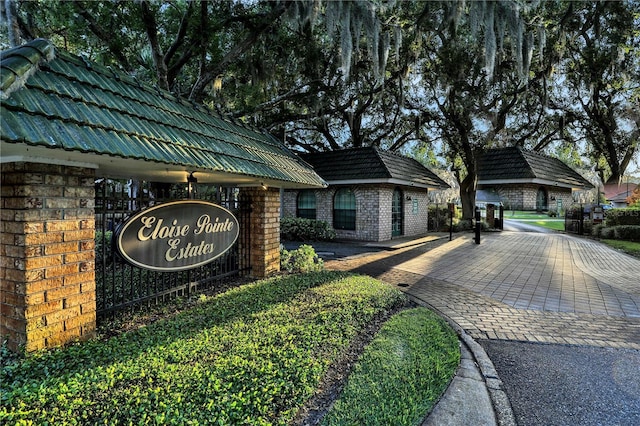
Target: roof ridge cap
x=378, y=153
x=13, y=80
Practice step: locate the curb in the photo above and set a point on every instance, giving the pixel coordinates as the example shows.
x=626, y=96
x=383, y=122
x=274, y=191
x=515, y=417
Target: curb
x=499, y=399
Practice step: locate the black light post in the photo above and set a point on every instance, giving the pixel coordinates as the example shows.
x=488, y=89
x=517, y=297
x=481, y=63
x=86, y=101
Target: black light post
x=477, y=216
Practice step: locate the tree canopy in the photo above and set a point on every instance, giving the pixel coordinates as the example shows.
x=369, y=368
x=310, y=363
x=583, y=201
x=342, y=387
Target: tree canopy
x=454, y=77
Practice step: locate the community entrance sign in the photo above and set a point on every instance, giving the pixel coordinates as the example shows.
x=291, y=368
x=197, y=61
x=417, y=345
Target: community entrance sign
x=176, y=236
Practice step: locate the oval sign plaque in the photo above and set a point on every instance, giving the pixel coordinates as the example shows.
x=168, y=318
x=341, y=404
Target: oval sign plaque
x=177, y=235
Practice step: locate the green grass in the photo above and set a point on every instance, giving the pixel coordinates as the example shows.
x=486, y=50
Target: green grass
x=401, y=374
x=519, y=214
x=629, y=247
x=251, y=355
x=538, y=219
x=551, y=223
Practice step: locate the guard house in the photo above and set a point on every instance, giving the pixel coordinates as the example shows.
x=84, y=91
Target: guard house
x=526, y=180
x=373, y=195
x=83, y=147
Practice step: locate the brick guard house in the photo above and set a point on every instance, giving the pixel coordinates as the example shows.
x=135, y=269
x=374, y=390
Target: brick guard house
x=526, y=180
x=67, y=123
x=373, y=195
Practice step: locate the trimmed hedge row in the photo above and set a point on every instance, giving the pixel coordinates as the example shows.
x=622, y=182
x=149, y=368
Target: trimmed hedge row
x=618, y=232
x=300, y=229
x=626, y=216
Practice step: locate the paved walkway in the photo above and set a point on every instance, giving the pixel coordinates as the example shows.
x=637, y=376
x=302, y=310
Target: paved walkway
x=520, y=286
x=513, y=286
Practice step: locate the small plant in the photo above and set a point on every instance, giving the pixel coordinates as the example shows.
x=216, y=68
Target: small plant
x=301, y=260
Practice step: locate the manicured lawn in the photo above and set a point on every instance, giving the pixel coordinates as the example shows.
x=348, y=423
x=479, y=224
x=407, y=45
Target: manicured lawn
x=551, y=223
x=401, y=374
x=538, y=219
x=629, y=247
x=518, y=214
x=252, y=355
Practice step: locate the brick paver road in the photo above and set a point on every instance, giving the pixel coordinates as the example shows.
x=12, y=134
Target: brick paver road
x=522, y=286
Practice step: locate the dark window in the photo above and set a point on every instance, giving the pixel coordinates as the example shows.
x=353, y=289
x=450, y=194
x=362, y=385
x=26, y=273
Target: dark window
x=344, y=209
x=307, y=204
x=396, y=213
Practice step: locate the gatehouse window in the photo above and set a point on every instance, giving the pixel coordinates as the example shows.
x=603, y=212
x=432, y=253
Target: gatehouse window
x=344, y=209
x=307, y=204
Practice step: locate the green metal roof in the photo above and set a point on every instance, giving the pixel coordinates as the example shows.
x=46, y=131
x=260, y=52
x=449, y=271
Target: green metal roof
x=70, y=106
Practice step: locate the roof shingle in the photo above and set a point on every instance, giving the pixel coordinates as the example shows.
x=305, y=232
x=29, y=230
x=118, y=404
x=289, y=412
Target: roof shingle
x=372, y=165
x=517, y=165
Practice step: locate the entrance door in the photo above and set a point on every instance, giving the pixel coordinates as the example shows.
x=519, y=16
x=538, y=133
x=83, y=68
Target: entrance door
x=396, y=213
x=541, y=200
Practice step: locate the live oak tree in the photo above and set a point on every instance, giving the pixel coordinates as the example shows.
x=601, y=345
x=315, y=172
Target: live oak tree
x=599, y=83
x=471, y=105
x=404, y=74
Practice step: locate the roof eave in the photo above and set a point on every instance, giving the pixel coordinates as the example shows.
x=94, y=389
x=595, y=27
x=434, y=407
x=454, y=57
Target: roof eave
x=127, y=168
x=536, y=181
x=381, y=181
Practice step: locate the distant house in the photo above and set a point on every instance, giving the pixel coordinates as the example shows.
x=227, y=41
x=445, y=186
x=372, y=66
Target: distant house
x=617, y=194
x=525, y=180
x=372, y=195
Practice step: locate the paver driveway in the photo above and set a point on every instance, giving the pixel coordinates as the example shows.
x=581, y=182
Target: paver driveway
x=522, y=286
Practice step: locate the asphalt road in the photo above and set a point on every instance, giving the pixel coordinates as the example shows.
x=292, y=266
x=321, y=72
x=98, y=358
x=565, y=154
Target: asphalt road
x=564, y=385
x=567, y=385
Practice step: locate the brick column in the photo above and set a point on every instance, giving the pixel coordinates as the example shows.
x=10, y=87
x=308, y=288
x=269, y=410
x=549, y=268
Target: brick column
x=46, y=255
x=491, y=212
x=265, y=231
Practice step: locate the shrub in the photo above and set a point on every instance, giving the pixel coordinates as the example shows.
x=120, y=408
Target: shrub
x=598, y=230
x=587, y=226
x=303, y=259
x=626, y=232
x=607, y=233
x=628, y=216
x=252, y=355
x=552, y=213
x=438, y=218
x=460, y=225
x=301, y=229
x=103, y=246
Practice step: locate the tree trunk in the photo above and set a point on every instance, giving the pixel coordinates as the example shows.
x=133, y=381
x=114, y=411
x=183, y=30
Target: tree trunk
x=468, y=195
x=13, y=28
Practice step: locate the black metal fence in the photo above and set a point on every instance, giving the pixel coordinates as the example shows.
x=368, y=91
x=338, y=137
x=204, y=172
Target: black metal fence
x=574, y=221
x=120, y=285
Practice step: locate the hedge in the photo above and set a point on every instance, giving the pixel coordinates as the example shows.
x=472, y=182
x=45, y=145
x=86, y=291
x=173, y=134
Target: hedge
x=300, y=229
x=618, y=232
x=626, y=216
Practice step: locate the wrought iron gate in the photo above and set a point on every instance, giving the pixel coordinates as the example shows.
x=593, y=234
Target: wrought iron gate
x=120, y=285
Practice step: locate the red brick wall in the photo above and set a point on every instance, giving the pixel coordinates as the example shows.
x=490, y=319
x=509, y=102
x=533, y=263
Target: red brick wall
x=46, y=255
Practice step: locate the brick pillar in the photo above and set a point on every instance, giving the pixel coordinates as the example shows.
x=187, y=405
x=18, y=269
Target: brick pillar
x=491, y=212
x=265, y=231
x=46, y=255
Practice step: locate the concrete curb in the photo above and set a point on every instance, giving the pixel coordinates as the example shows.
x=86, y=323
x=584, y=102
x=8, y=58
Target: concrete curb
x=499, y=401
